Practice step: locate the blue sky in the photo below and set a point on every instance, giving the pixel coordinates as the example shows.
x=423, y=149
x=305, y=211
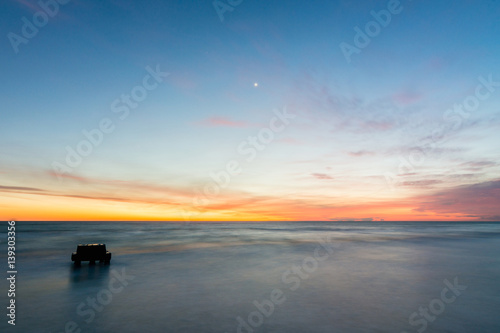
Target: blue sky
x=355, y=122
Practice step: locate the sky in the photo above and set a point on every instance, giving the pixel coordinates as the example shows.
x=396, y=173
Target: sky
x=250, y=110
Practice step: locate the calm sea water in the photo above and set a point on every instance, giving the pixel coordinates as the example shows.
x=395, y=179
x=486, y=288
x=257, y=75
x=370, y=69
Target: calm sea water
x=257, y=277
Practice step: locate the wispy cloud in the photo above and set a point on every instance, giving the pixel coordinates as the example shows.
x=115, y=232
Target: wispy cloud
x=67, y=176
x=360, y=153
x=406, y=97
x=422, y=183
x=481, y=200
x=478, y=165
x=326, y=102
x=20, y=188
x=222, y=122
x=90, y=196
x=323, y=176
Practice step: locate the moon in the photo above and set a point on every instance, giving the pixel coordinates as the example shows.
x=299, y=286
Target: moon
x=255, y=84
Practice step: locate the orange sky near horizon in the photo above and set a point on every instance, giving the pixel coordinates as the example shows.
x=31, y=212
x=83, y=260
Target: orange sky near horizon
x=33, y=204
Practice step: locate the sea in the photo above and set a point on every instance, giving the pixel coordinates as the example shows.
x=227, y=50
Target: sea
x=317, y=277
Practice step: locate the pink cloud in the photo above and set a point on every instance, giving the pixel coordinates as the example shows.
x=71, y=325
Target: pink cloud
x=118, y=186
x=478, y=165
x=223, y=122
x=67, y=176
x=480, y=200
x=377, y=125
x=422, y=183
x=436, y=63
x=322, y=176
x=185, y=81
x=406, y=98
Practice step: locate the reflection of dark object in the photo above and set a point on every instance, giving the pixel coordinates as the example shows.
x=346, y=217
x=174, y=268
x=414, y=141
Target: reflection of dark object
x=91, y=253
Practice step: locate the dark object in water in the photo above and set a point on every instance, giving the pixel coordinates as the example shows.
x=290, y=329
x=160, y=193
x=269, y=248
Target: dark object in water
x=91, y=253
